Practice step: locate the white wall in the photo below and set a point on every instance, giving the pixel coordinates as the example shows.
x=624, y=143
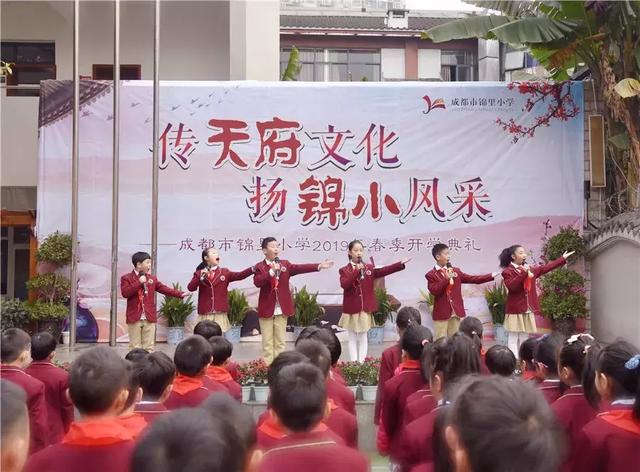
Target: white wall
x=429, y=63
x=392, y=63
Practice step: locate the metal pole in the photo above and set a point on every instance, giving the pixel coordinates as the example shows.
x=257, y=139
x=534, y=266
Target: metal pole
x=113, y=318
x=73, y=301
x=156, y=135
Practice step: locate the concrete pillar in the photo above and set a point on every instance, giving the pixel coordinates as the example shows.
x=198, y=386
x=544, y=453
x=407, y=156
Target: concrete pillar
x=488, y=59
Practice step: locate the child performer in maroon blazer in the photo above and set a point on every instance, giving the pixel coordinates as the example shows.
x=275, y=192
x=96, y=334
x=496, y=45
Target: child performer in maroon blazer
x=139, y=288
x=16, y=356
x=99, y=388
x=275, y=302
x=298, y=399
x=359, y=298
x=56, y=381
x=545, y=357
x=611, y=441
x=445, y=284
x=155, y=373
x=522, y=299
x=14, y=446
x=212, y=283
x=572, y=409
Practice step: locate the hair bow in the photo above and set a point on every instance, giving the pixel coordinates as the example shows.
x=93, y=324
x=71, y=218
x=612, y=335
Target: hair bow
x=633, y=363
x=425, y=341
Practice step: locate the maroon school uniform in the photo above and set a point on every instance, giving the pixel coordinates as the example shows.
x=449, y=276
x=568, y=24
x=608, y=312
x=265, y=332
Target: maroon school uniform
x=97, y=446
x=274, y=288
x=416, y=440
x=573, y=412
x=396, y=391
x=312, y=452
x=36, y=405
x=610, y=442
x=359, y=294
x=523, y=295
x=139, y=301
x=232, y=368
x=187, y=392
x=341, y=395
x=150, y=411
x=389, y=361
x=344, y=424
x=213, y=288
x=425, y=467
x=269, y=433
x=59, y=408
x=337, y=376
x=222, y=376
x=550, y=389
x=447, y=298
x=418, y=406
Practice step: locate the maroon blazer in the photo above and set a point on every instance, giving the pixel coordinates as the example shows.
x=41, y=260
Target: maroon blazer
x=447, y=303
x=344, y=424
x=150, y=411
x=60, y=412
x=396, y=391
x=520, y=300
x=212, y=293
x=550, y=389
x=36, y=405
x=312, y=452
x=389, y=361
x=605, y=447
x=417, y=407
x=133, y=291
x=341, y=395
x=194, y=398
x=358, y=294
x=234, y=389
x=573, y=412
x=337, y=376
x=73, y=458
x=274, y=289
x=416, y=440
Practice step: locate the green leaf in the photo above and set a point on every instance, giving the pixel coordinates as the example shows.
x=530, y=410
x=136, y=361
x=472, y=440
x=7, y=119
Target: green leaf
x=628, y=88
x=621, y=141
x=572, y=9
x=471, y=27
x=293, y=65
x=508, y=7
x=534, y=30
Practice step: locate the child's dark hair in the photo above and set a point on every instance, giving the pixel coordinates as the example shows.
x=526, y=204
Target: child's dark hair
x=281, y=361
x=205, y=253
x=437, y=249
x=505, y=256
x=96, y=378
x=139, y=257
x=136, y=354
x=414, y=339
x=453, y=358
x=472, y=327
x=425, y=364
x=42, y=344
x=407, y=315
x=192, y=355
x=326, y=336
x=155, y=373
x=298, y=396
x=574, y=353
x=13, y=411
x=547, y=350
x=14, y=342
x=529, y=437
x=352, y=245
x=237, y=416
x=207, y=329
x=500, y=360
x=134, y=385
x=266, y=241
x=525, y=352
x=221, y=349
x=188, y=440
x=317, y=353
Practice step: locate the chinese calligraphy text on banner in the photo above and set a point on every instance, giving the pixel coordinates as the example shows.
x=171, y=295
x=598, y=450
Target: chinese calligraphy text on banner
x=478, y=166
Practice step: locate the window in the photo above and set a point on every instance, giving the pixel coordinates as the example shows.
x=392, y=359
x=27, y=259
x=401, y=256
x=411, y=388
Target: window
x=127, y=71
x=334, y=65
x=458, y=66
x=32, y=62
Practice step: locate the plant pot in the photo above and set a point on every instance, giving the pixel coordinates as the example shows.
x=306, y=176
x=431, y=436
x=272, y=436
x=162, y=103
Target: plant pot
x=376, y=335
x=175, y=335
x=369, y=392
x=65, y=338
x=354, y=389
x=233, y=334
x=260, y=393
x=500, y=334
x=246, y=393
x=566, y=326
x=54, y=327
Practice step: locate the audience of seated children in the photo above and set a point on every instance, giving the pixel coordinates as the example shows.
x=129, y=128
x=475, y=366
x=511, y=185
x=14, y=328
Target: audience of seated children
x=472, y=327
x=221, y=350
x=155, y=374
x=500, y=360
x=545, y=357
x=208, y=329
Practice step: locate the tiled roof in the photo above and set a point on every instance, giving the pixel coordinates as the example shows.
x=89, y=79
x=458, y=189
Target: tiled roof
x=351, y=22
x=626, y=225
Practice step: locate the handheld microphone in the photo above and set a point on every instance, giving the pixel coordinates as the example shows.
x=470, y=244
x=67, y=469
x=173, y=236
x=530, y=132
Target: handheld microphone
x=449, y=266
x=362, y=269
x=203, y=273
x=277, y=261
x=144, y=285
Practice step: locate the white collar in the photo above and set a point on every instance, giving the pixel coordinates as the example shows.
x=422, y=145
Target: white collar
x=515, y=265
x=439, y=268
x=624, y=401
x=213, y=267
x=268, y=262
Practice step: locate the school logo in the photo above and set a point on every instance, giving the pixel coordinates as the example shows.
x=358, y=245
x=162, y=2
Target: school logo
x=284, y=269
x=432, y=105
x=368, y=272
x=150, y=281
x=222, y=277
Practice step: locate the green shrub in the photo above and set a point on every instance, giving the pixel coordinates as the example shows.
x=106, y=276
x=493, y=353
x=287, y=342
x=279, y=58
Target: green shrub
x=563, y=295
x=496, y=298
x=56, y=249
x=13, y=314
x=176, y=310
x=308, y=310
x=567, y=239
x=383, y=313
x=45, y=311
x=51, y=287
x=238, y=307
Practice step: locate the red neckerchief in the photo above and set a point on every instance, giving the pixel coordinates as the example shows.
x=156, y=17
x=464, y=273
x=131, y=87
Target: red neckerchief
x=219, y=374
x=529, y=375
x=444, y=274
x=409, y=364
x=134, y=422
x=212, y=275
x=623, y=419
x=183, y=384
x=100, y=432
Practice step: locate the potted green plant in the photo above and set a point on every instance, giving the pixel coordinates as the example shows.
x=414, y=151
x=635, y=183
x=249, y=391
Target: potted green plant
x=175, y=311
x=567, y=239
x=380, y=316
x=350, y=371
x=307, y=310
x=13, y=314
x=257, y=373
x=563, y=300
x=368, y=378
x=245, y=381
x=238, y=308
x=496, y=298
